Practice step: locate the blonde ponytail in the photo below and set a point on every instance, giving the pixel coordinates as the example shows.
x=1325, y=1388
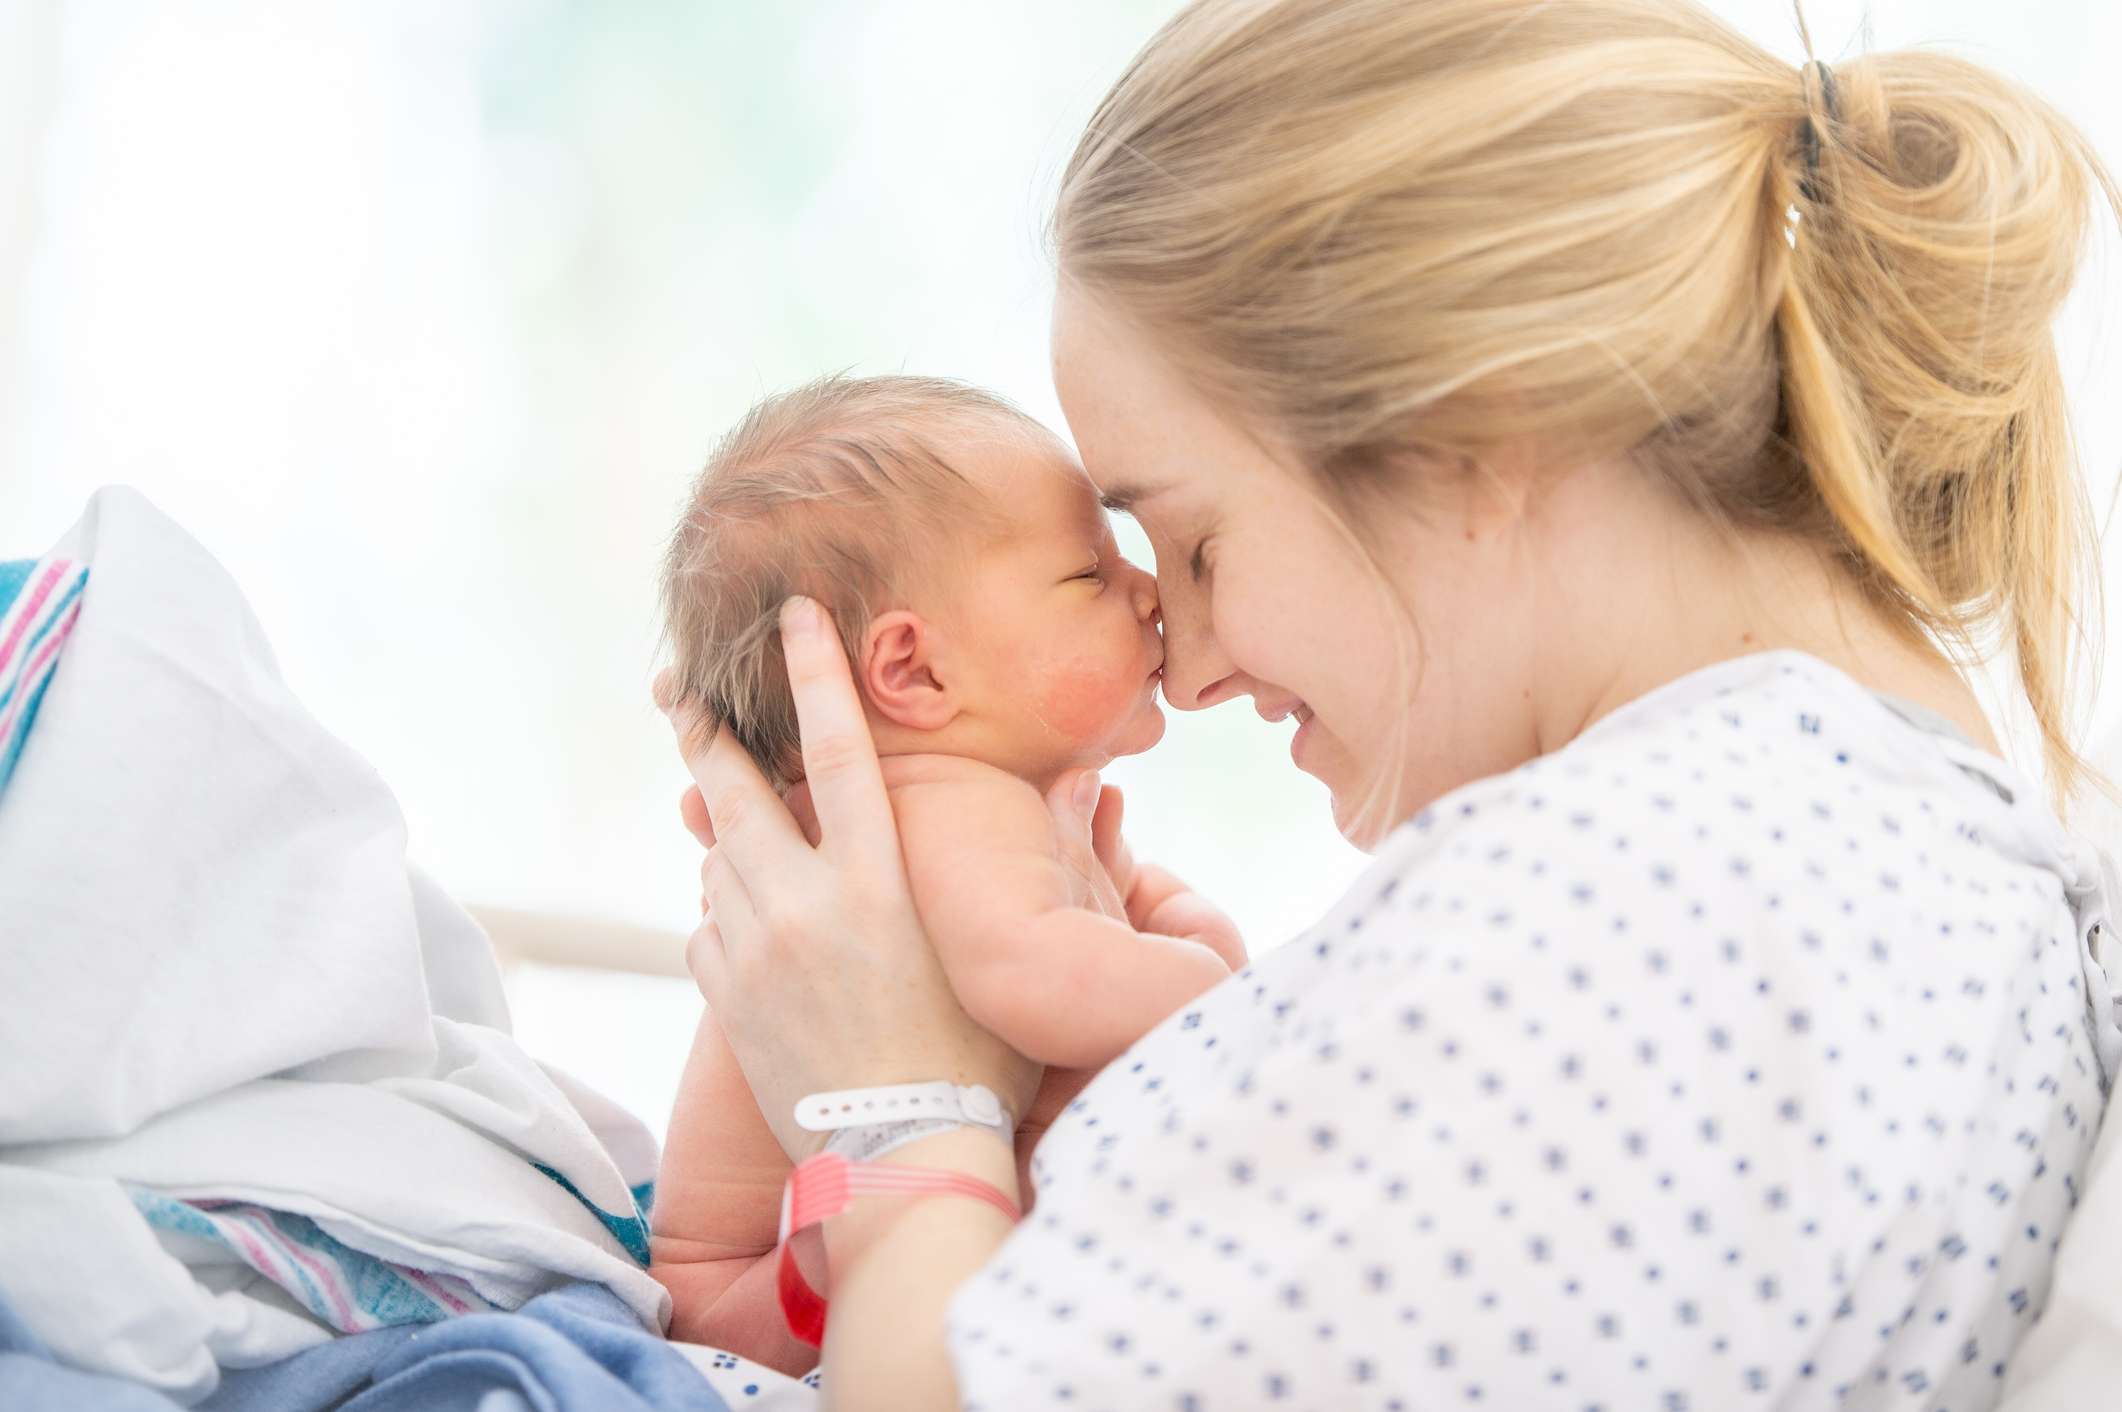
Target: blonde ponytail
x=1940, y=226
x=1815, y=300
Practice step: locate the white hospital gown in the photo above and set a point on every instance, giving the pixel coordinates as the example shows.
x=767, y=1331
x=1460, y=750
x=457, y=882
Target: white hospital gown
x=1737, y=1055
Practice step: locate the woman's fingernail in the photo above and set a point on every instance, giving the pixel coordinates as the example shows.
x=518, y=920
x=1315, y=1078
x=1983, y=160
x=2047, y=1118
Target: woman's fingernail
x=800, y=617
x=1087, y=794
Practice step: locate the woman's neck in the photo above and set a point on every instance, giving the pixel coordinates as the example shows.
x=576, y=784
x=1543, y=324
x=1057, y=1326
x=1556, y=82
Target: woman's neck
x=1690, y=593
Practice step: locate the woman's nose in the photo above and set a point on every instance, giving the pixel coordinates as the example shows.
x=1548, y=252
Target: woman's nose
x=1196, y=673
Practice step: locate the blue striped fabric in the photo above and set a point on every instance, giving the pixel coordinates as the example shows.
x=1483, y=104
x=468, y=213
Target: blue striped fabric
x=348, y=1290
x=13, y=574
x=38, y=605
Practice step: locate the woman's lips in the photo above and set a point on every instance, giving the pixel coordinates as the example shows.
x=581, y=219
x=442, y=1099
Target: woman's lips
x=1303, y=736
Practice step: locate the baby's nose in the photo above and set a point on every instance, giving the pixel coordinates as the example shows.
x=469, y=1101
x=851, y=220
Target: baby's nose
x=1144, y=590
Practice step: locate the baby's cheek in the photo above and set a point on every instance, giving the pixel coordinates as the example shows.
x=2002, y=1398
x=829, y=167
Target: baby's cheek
x=1085, y=699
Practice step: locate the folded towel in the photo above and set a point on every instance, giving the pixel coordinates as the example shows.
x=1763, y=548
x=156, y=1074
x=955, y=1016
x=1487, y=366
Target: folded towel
x=222, y=982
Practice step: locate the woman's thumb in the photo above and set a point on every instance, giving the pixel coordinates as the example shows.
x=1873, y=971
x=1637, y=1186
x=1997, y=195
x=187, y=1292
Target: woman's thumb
x=1073, y=801
x=1086, y=796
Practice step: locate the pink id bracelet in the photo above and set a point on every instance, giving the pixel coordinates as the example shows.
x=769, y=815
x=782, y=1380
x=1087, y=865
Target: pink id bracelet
x=828, y=1184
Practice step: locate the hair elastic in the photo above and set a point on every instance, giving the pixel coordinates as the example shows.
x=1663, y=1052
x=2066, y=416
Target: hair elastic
x=1810, y=134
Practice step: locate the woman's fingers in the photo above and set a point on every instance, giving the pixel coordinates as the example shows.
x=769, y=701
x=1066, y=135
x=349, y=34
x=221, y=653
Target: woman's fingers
x=839, y=759
x=805, y=813
x=705, y=959
x=1105, y=838
x=746, y=817
x=728, y=900
x=692, y=812
x=1073, y=804
x=1072, y=801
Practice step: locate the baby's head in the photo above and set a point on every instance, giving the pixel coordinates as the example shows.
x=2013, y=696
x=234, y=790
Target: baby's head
x=963, y=556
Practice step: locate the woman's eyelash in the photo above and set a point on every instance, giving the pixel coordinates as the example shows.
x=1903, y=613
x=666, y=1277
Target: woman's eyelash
x=1197, y=562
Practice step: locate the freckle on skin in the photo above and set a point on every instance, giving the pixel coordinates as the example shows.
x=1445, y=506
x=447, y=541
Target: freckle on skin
x=1746, y=637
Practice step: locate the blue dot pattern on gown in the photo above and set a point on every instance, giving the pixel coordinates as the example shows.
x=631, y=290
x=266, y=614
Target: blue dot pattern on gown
x=1735, y=1055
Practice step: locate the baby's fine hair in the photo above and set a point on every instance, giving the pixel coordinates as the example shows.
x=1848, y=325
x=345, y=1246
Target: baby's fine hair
x=835, y=490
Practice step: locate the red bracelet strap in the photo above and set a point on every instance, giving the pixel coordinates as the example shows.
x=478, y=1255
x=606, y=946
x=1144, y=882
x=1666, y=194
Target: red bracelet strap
x=827, y=1185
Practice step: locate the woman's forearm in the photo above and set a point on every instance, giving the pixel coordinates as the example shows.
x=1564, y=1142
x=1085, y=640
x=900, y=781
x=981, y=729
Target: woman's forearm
x=895, y=1264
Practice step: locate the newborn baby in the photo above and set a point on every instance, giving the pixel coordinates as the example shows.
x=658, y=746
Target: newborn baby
x=999, y=641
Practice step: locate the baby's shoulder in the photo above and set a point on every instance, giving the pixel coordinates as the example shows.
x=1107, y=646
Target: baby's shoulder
x=952, y=812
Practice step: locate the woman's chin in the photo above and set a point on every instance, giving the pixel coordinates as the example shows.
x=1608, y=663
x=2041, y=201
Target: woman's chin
x=1349, y=823
x=1363, y=814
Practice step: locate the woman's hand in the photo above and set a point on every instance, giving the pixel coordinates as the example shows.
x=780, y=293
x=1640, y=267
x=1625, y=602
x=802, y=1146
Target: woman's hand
x=811, y=955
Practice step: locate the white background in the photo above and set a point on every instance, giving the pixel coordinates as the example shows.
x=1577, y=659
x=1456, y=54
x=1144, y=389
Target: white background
x=421, y=313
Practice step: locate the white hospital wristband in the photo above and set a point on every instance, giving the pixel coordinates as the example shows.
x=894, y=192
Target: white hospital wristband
x=866, y=1123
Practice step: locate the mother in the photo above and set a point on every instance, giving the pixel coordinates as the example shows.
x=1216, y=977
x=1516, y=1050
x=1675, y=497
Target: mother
x=1594, y=432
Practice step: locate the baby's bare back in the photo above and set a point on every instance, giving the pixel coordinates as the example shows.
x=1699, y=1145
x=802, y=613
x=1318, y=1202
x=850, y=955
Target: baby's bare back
x=981, y=844
x=1032, y=931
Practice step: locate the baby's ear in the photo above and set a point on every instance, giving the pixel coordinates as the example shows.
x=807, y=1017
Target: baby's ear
x=898, y=672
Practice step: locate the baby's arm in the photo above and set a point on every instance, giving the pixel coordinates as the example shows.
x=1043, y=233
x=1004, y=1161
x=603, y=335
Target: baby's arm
x=1062, y=983
x=1161, y=903
x=718, y=1211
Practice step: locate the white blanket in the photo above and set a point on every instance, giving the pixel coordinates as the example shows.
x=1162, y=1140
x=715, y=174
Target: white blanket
x=220, y=978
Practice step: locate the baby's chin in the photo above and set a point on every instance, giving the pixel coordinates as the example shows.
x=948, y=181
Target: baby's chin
x=1142, y=730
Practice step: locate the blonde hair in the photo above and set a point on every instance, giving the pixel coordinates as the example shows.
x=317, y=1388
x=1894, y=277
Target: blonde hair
x=1816, y=300
x=835, y=491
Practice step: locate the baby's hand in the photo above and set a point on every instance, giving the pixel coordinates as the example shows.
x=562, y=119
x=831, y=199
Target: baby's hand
x=1155, y=900
x=1161, y=903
